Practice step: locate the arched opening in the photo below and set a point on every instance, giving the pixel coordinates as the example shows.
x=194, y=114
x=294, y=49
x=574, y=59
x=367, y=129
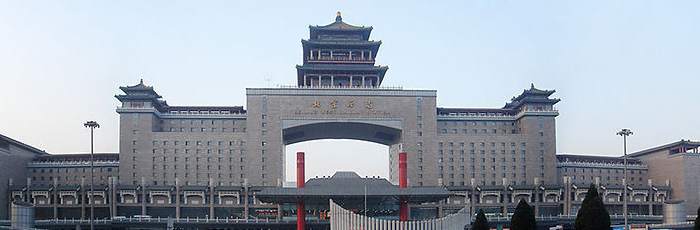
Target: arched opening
x=377, y=131
x=326, y=156
x=359, y=145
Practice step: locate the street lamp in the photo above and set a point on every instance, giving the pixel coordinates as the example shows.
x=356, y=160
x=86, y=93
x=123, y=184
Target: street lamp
x=92, y=125
x=624, y=133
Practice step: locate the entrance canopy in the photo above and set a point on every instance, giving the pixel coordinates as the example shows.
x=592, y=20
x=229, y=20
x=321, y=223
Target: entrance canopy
x=348, y=187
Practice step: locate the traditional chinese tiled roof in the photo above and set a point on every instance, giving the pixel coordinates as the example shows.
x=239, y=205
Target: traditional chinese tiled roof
x=532, y=95
x=97, y=187
x=18, y=187
x=550, y=187
x=41, y=187
x=459, y=188
x=489, y=187
x=194, y=188
x=140, y=87
x=228, y=188
x=611, y=187
x=639, y=187
x=160, y=187
x=349, y=186
x=521, y=187
x=128, y=187
x=339, y=26
x=68, y=187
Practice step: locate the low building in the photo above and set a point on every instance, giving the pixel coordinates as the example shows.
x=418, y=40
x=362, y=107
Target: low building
x=676, y=164
x=14, y=156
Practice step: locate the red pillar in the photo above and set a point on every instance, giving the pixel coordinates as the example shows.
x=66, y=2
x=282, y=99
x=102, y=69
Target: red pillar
x=403, y=183
x=301, y=183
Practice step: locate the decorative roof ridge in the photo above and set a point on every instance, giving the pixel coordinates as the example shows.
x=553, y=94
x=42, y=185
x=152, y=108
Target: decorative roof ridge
x=533, y=90
x=339, y=21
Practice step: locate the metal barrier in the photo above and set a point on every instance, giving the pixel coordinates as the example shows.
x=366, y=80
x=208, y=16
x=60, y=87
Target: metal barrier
x=342, y=219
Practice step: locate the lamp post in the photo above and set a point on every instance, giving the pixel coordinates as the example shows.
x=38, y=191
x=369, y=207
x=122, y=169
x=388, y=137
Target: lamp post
x=624, y=133
x=92, y=125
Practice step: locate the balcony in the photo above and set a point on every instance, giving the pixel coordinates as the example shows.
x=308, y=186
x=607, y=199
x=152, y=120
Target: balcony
x=363, y=60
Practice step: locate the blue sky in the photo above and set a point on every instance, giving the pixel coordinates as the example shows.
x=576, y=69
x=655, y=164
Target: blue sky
x=614, y=64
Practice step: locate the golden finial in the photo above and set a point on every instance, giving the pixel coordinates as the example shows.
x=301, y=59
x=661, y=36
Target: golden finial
x=337, y=17
x=337, y=14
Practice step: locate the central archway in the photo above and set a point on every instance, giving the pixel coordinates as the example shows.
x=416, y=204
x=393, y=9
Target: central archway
x=346, y=139
x=386, y=134
x=327, y=156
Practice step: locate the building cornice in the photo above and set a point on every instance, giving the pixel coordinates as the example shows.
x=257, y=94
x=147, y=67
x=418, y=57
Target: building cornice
x=392, y=92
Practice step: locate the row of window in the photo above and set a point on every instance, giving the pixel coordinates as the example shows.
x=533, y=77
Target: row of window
x=481, y=144
x=472, y=152
x=632, y=171
x=82, y=169
x=476, y=123
x=67, y=178
x=213, y=130
x=493, y=159
x=617, y=178
x=482, y=175
x=202, y=122
x=198, y=151
x=474, y=131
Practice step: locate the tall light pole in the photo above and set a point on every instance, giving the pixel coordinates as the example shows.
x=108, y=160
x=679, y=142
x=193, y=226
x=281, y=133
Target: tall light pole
x=624, y=133
x=92, y=125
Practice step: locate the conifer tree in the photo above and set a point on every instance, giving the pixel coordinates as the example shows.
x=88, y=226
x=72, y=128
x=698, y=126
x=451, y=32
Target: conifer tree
x=592, y=215
x=481, y=223
x=697, y=221
x=523, y=218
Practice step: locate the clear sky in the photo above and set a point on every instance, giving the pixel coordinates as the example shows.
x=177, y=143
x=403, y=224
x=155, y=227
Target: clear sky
x=615, y=64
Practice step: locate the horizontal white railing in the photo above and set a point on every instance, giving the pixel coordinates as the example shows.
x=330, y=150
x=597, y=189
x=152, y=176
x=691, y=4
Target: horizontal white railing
x=342, y=219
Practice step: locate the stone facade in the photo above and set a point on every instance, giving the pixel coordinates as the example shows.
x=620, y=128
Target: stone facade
x=677, y=164
x=14, y=156
x=198, y=161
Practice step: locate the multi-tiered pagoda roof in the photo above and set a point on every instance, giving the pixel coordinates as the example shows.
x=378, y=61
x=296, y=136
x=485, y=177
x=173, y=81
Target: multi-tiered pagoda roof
x=340, y=55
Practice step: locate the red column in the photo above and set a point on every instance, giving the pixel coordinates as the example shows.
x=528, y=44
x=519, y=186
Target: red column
x=300, y=170
x=301, y=183
x=403, y=183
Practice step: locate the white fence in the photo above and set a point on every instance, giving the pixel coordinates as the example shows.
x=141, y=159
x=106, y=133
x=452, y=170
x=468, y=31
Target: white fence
x=342, y=219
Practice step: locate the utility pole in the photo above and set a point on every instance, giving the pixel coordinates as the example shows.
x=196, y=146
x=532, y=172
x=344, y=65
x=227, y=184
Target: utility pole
x=624, y=133
x=92, y=125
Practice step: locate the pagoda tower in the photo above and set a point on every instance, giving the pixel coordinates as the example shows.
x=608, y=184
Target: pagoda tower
x=340, y=55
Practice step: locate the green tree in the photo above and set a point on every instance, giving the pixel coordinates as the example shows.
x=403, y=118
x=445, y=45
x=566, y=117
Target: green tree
x=481, y=223
x=697, y=221
x=523, y=218
x=592, y=215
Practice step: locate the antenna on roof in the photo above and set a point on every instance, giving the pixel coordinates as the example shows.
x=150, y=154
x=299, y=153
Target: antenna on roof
x=268, y=79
